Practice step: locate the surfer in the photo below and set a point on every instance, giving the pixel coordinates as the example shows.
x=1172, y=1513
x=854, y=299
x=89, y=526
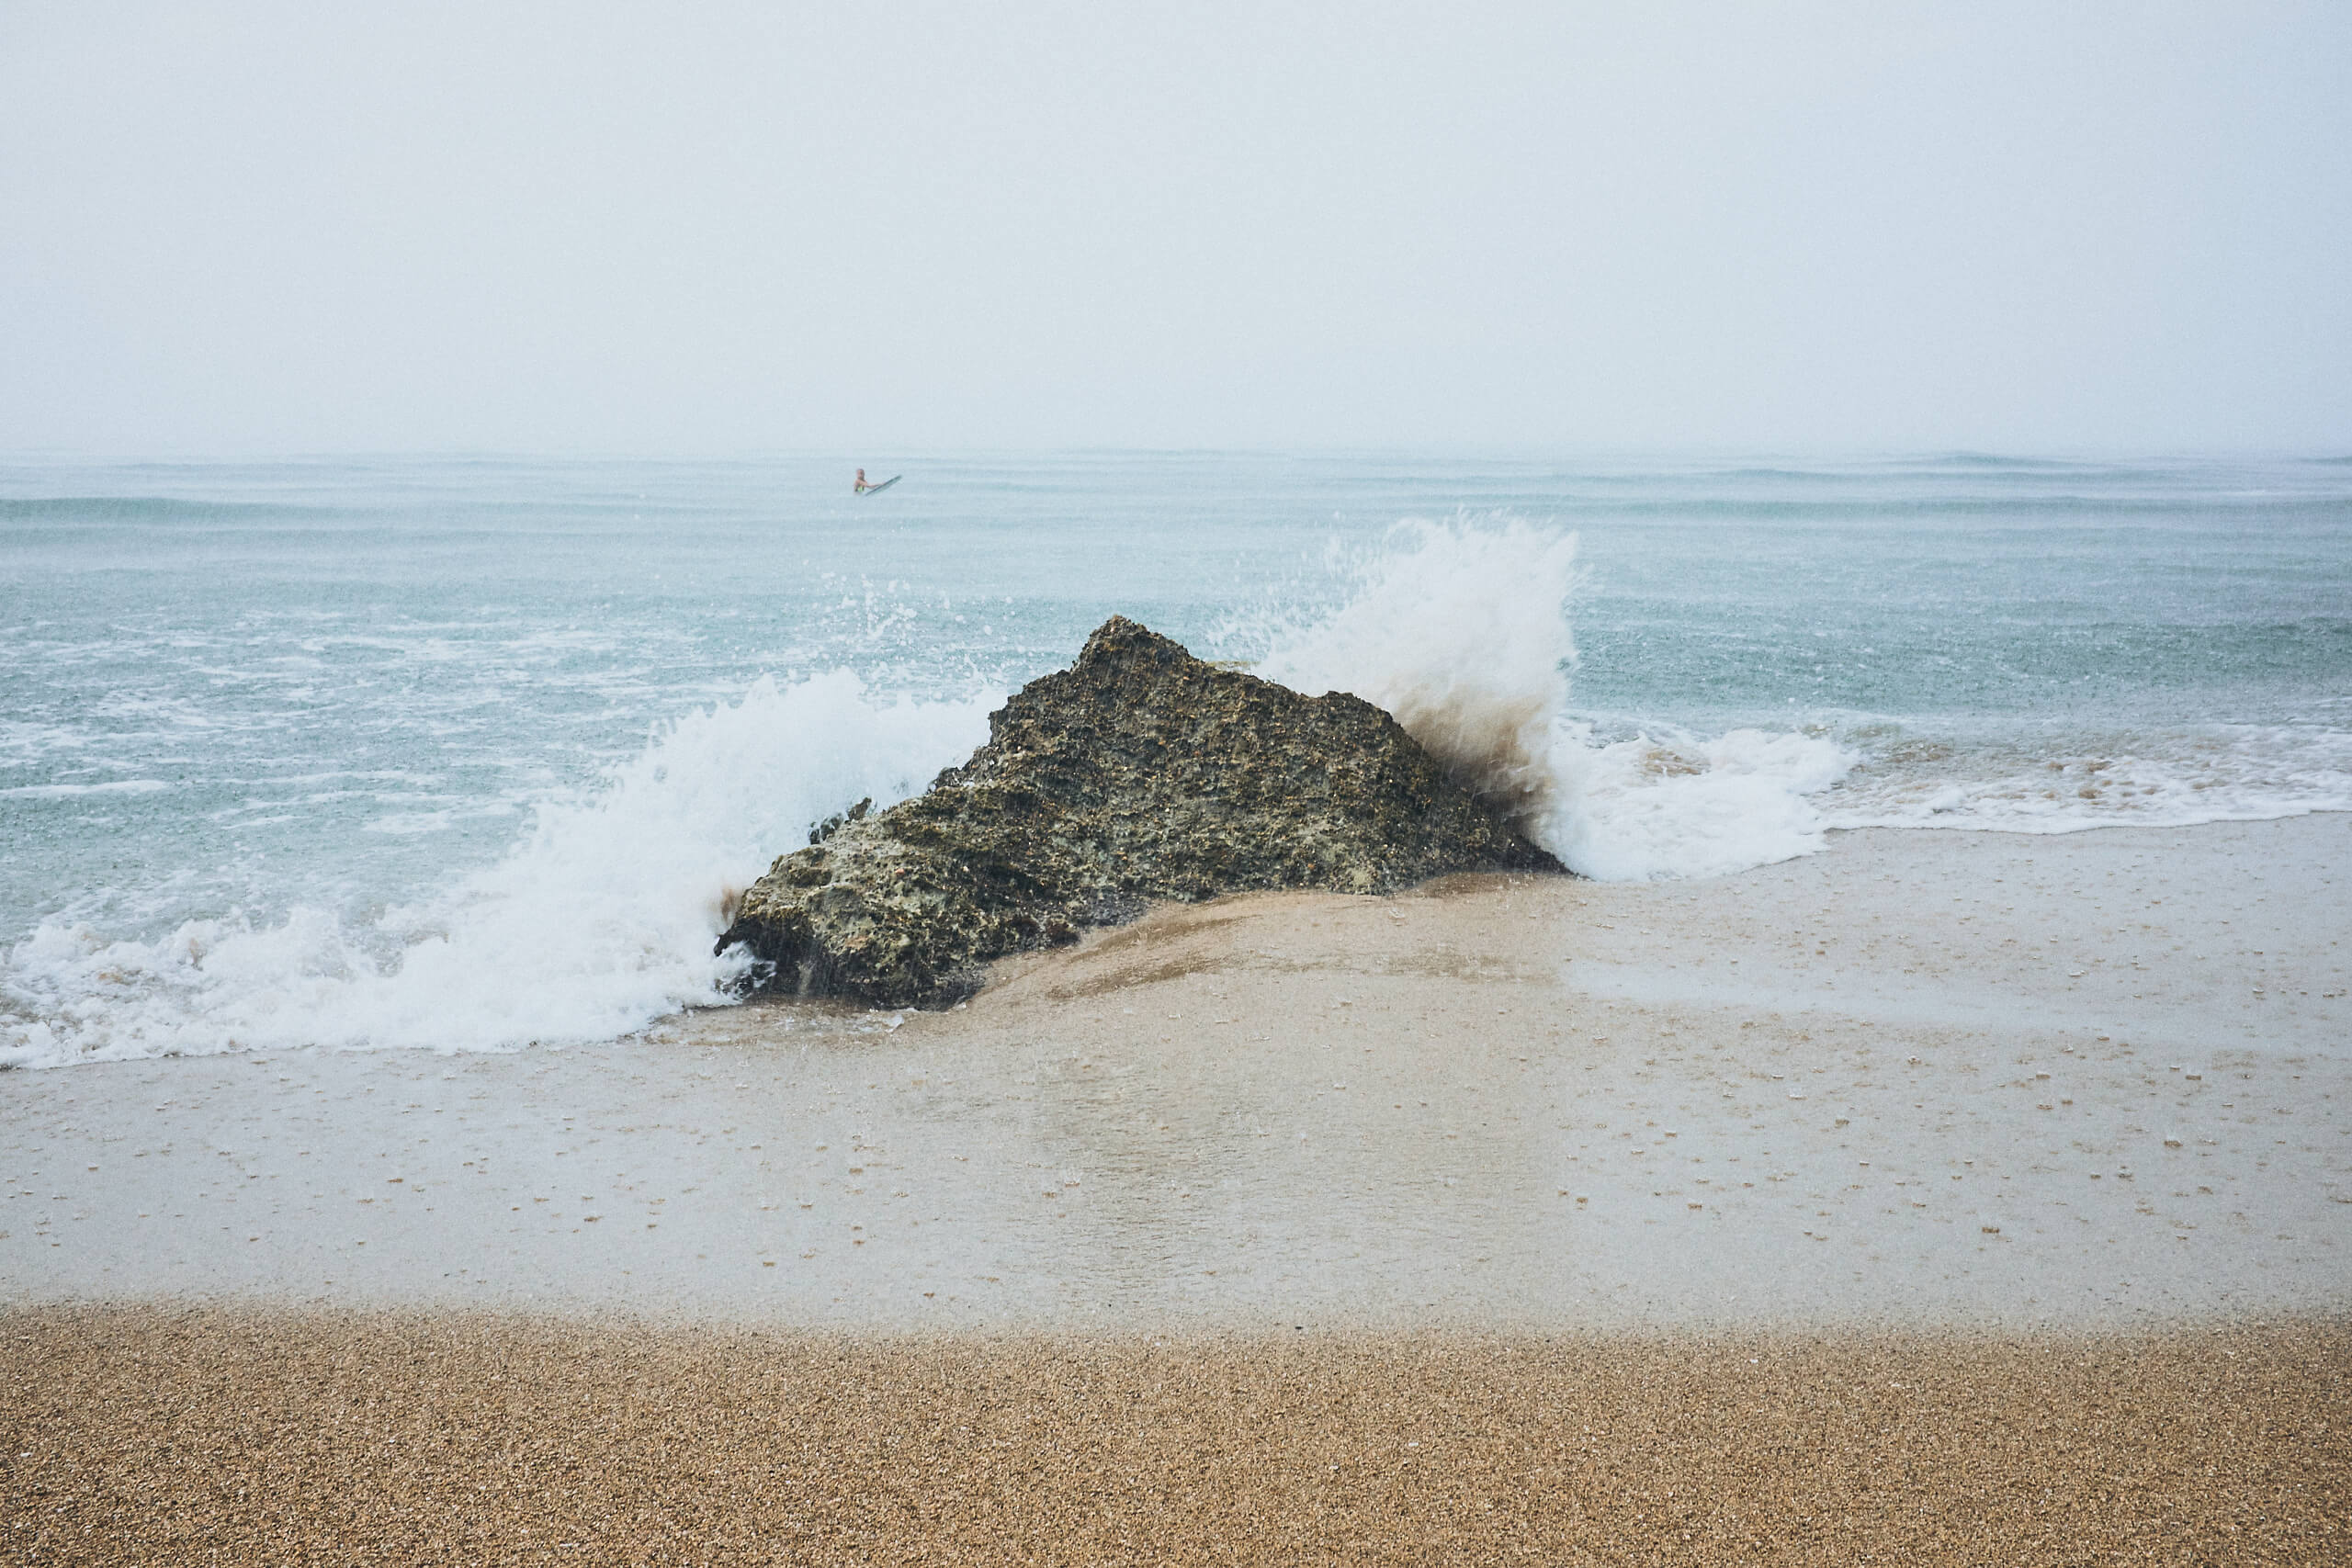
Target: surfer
x=861, y=487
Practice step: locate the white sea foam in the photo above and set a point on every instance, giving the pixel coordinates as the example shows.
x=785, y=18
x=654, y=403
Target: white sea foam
x=599, y=920
x=1674, y=804
x=2171, y=778
x=1462, y=630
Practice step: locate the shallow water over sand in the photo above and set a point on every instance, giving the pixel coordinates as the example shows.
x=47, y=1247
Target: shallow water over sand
x=1837, y=1090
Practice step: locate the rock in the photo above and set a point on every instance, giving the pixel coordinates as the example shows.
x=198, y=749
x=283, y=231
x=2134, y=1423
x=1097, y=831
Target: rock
x=1139, y=773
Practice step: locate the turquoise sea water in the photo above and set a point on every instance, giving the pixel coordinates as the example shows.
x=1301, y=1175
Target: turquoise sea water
x=466, y=751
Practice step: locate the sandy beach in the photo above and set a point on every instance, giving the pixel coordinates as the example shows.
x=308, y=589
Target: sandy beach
x=1542, y=783
x=2049, y=1131
x=200, y=1436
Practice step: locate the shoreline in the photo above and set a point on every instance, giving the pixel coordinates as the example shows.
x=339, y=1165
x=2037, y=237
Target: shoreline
x=1809, y=1095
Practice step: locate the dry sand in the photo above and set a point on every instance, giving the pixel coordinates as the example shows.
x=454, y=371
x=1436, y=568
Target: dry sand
x=1125, y=1258
x=156, y=1437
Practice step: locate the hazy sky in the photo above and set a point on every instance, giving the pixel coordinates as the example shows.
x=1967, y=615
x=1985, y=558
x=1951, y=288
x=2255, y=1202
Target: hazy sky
x=702, y=228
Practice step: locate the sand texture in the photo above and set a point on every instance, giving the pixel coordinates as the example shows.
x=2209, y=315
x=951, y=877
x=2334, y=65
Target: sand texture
x=157, y=1436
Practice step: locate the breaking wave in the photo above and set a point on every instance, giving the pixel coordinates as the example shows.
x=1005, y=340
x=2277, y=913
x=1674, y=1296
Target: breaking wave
x=1462, y=629
x=598, y=921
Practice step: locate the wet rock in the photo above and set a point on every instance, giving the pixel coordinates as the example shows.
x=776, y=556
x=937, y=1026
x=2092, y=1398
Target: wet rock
x=1140, y=774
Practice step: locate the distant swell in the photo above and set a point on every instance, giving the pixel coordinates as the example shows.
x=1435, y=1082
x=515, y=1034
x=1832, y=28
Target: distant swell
x=166, y=510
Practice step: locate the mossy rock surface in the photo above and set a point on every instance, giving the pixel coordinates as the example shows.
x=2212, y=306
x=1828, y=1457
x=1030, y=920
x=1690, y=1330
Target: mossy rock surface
x=1140, y=774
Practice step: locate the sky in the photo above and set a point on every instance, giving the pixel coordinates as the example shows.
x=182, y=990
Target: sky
x=731, y=228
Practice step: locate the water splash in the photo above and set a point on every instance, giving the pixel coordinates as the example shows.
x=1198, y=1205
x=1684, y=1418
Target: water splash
x=600, y=918
x=1463, y=630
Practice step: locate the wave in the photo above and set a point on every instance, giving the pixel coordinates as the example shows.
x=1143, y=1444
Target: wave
x=1975, y=509
x=1463, y=630
x=2174, y=778
x=158, y=508
x=75, y=791
x=598, y=921
x=600, y=917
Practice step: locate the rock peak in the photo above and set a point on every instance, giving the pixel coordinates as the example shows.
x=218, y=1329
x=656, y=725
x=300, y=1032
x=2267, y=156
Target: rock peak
x=1120, y=637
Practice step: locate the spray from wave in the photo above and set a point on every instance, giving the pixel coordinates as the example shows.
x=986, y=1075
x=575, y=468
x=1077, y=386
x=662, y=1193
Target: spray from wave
x=599, y=920
x=1462, y=630
x=1463, y=633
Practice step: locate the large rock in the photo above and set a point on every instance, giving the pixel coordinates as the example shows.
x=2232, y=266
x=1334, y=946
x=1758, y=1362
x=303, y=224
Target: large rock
x=1138, y=773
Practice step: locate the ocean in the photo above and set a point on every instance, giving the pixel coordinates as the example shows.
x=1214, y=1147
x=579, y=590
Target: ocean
x=470, y=753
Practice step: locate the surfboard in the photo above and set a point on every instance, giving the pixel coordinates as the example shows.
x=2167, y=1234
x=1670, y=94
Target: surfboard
x=886, y=484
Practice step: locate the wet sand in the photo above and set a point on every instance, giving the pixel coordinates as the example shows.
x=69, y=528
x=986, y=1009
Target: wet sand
x=1921, y=1078
x=1169, y=1247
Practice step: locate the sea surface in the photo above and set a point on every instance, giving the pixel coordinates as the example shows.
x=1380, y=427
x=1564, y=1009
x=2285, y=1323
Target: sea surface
x=470, y=754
